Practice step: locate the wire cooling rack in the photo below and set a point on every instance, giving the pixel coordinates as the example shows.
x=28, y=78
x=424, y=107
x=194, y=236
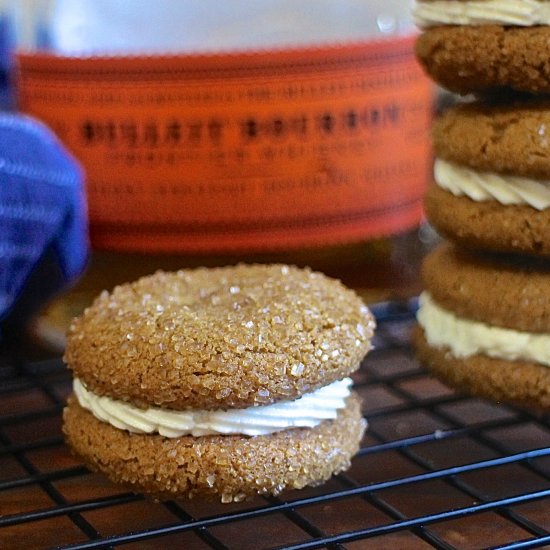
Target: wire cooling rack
x=436, y=470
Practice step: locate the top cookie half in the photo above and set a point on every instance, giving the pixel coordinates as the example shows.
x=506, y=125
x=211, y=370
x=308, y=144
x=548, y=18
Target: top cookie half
x=477, y=46
x=220, y=338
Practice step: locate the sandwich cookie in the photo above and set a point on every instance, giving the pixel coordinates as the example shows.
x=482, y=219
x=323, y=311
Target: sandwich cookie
x=491, y=185
x=225, y=382
x=484, y=325
x=481, y=45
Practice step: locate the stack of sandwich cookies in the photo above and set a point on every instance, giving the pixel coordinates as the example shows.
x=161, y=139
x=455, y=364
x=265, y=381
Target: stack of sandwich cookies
x=227, y=382
x=492, y=171
x=484, y=316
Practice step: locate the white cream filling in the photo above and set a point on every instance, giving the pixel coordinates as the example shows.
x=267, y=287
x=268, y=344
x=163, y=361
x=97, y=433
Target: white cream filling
x=485, y=186
x=465, y=337
x=306, y=412
x=524, y=13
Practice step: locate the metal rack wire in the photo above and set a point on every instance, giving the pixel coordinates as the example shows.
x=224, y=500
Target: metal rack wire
x=436, y=470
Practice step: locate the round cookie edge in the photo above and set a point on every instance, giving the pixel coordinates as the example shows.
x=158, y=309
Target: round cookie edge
x=227, y=467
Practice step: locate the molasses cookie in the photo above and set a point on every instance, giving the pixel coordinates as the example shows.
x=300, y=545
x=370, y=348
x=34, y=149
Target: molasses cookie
x=484, y=325
x=492, y=176
x=482, y=45
x=223, y=382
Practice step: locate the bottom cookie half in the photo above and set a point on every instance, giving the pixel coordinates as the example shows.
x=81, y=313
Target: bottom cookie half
x=489, y=225
x=519, y=383
x=229, y=468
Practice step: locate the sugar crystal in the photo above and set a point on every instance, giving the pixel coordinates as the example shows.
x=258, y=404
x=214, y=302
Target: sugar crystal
x=297, y=369
x=210, y=480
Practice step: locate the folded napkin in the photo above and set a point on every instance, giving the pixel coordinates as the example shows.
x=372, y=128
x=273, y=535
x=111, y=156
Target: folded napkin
x=43, y=221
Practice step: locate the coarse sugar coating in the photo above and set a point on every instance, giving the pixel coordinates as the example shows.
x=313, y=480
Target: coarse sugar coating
x=506, y=137
x=521, y=383
x=225, y=467
x=488, y=225
x=220, y=338
x=476, y=59
x=504, y=291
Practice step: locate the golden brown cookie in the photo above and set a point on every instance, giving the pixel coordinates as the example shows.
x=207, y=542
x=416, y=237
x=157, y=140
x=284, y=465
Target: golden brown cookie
x=172, y=370
x=520, y=383
x=229, y=468
x=492, y=176
x=488, y=225
x=484, y=324
x=506, y=137
x=221, y=337
x=476, y=59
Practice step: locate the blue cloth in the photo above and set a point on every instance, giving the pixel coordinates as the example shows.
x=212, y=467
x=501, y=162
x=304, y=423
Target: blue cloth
x=43, y=218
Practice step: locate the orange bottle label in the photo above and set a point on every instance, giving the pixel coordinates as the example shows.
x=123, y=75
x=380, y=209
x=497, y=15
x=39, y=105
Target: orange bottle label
x=241, y=152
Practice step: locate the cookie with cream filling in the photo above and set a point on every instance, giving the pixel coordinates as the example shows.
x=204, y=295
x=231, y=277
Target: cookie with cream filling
x=484, y=325
x=223, y=382
x=491, y=185
x=475, y=46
